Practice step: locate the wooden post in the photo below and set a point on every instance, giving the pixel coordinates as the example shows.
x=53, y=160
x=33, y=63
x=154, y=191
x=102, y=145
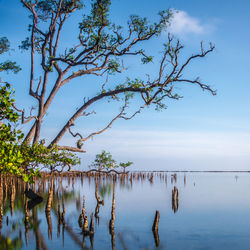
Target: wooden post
x=155, y=228
x=175, y=199
x=156, y=221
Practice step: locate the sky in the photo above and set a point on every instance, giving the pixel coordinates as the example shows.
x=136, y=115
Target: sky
x=198, y=132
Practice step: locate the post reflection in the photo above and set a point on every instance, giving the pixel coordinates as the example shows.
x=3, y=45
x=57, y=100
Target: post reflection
x=155, y=228
x=30, y=213
x=112, y=220
x=99, y=202
x=175, y=199
x=48, y=209
x=1, y=202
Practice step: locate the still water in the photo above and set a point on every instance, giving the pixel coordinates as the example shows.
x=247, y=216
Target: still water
x=197, y=211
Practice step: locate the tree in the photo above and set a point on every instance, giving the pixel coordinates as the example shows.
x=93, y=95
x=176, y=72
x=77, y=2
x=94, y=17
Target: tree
x=15, y=157
x=99, y=51
x=11, y=158
x=105, y=161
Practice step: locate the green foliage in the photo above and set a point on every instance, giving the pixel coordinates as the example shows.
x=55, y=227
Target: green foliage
x=143, y=29
x=125, y=165
x=136, y=83
x=113, y=66
x=10, y=155
x=102, y=35
x=147, y=59
x=46, y=8
x=4, y=45
x=10, y=244
x=6, y=101
x=7, y=65
x=105, y=161
x=105, y=189
x=25, y=44
x=97, y=18
x=25, y=160
x=50, y=158
x=17, y=158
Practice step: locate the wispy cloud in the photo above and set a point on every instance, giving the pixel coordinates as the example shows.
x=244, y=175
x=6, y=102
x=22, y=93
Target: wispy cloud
x=189, y=144
x=178, y=149
x=182, y=23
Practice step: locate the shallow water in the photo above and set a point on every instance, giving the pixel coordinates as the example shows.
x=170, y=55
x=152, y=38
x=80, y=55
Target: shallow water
x=211, y=211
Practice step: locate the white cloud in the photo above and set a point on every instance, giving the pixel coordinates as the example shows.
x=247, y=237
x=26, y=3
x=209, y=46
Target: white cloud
x=182, y=23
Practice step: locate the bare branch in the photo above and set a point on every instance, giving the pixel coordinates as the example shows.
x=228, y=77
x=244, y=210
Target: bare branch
x=198, y=82
x=71, y=149
x=76, y=134
x=38, y=86
x=202, y=54
x=109, y=125
x=25, y=119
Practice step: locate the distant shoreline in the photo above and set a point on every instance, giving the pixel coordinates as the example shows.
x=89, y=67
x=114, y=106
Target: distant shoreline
x=82, y=173
x=193, y=171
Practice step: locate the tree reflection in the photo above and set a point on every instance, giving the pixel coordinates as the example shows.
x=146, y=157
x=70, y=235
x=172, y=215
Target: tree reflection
x=99, y=202
x=1, y=202
x=48, y=209
x=26, y=221
x=19, y=203
x=112, y=220
x=40, y=242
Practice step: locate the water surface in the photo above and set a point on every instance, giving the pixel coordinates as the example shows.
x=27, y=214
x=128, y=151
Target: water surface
x=197, y=211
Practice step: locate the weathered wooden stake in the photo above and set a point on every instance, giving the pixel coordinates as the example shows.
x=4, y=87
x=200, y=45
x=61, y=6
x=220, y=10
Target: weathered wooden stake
x=156, y=221
x=155, y=228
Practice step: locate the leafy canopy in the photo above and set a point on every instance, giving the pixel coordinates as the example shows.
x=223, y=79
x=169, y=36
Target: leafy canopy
x=104, y=160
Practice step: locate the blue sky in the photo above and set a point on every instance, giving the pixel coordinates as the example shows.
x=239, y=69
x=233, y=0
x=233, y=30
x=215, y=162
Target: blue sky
x=199, y=132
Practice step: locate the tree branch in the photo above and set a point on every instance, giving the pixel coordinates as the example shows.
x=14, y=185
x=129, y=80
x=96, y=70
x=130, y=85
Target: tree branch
x=71, y=149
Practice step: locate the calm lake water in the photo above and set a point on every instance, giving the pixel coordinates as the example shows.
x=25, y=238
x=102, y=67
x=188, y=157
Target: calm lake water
x=197, y=211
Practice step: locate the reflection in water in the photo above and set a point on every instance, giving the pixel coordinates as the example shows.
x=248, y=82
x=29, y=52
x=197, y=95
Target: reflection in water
x=40, y=242
x=100, y=211
x=99, y=202
x=1, y=202
x=34, y=198
x=175, y=199
x=112, y=220
x=52, y=194
x=82, y=215
x=12, y=196
x=26, y=220
x=48, y=208
x=173, y=178
x=155, y=228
